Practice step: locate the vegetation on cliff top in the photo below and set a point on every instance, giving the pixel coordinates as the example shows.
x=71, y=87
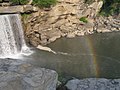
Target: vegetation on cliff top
x=39, y=3
x=19, y=2
x=44, y=3
x=110, y=7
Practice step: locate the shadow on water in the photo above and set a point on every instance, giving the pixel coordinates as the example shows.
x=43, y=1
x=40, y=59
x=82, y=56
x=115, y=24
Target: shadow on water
x=82, y=57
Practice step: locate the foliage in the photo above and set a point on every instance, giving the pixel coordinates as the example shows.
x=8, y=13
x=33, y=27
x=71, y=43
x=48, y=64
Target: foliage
x=23, y=2
x=89, y=1
x=20, y=2
x=14, y=2
x=44, y=3
x=110, y=7
x=25, y=15
x=83, y=19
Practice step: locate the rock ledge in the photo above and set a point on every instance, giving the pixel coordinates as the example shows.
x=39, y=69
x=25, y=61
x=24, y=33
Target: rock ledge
x=18, y=75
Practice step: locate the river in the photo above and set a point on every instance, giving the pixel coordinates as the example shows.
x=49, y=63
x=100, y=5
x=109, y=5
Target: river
x=90, y=56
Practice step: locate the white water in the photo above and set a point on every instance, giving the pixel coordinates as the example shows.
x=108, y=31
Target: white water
x=11, y=36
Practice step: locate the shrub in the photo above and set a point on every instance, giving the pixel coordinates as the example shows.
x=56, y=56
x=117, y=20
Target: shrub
x=44, y=3
x=25, y=15
x=83, y=19
x=110, y=7
x=89, y=1
x=24, y=2
x=19, y=2
x=15, y=2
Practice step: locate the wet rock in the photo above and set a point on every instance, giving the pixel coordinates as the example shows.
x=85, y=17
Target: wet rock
x=70, y=35
x=93, y=84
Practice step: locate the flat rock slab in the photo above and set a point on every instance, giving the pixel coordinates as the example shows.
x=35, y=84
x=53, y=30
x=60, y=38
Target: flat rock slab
x=17, y=9
x=18, y=75
x=94, y=84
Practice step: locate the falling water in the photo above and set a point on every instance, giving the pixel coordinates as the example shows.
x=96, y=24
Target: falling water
x=11, y=36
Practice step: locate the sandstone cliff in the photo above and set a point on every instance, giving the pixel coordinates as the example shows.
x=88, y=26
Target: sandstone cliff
x=64, y=20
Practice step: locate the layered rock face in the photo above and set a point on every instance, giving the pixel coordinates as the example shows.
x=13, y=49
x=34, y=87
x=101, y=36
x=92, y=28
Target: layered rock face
x=107, y=24
x=63, y=19
x=18, y=9
x=17, y=75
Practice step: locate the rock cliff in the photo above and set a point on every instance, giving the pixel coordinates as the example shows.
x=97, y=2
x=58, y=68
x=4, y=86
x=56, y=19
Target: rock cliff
x=64, y=20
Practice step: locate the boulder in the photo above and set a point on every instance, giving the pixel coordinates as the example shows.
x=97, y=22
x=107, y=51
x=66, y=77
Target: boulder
x=70, y=35
x=18, y=75
x=103, y=30
x=94, y=84
x=62, y=9
x=29, y=8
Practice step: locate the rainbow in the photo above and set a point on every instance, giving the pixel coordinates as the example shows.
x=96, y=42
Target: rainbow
x=93, y=60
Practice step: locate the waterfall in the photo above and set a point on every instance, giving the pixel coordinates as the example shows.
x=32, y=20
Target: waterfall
x=11, y=35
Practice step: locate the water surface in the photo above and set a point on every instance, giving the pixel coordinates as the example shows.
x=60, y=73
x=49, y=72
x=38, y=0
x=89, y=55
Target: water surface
x=89, y=56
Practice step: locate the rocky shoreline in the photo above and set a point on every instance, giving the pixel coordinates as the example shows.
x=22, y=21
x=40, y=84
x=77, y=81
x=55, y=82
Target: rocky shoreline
x=63, y=20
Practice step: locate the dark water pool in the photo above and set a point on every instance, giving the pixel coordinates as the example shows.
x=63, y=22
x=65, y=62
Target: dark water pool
x=89, y=56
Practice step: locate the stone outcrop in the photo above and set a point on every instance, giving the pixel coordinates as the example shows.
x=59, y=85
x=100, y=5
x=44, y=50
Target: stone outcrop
x=94, y=84
x=18, y=9
x=107, y=24
x=18, y=75
x=63, y=20
x=46, y=49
